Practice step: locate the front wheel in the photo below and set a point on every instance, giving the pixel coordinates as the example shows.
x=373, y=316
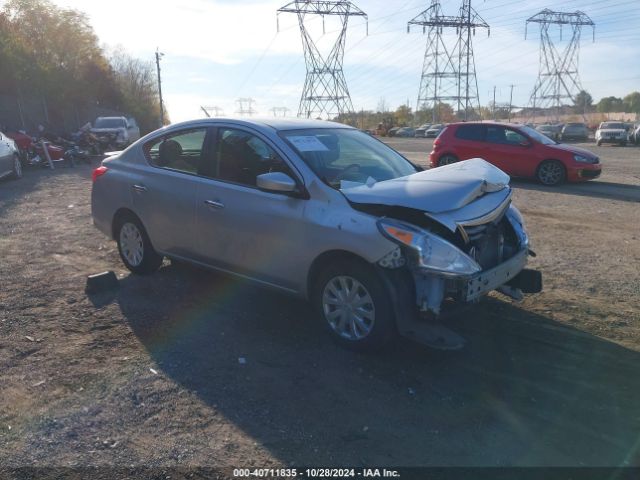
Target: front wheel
x=17, y=167
x=352, y=302
x=135, y=248
x=551, y=172
x=447, y=160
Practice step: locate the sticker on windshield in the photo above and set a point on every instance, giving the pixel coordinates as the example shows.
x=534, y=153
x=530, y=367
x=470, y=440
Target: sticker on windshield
x=308, y=144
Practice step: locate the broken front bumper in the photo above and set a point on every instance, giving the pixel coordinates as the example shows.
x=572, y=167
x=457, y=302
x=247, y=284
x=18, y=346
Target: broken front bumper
x=510, y=277
x=488, y=280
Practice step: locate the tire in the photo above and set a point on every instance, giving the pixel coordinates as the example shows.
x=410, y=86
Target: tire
x=373, y=326
x=551, y=173
x=447, y=160
x=17, y=167
x=134, y=246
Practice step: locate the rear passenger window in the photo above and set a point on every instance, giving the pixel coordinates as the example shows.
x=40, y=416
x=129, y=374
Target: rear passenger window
x=470, y=132
x=180, y=151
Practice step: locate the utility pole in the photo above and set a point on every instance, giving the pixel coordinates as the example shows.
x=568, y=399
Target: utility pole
x=494, y=103
x=159, y=55
x=510, y=102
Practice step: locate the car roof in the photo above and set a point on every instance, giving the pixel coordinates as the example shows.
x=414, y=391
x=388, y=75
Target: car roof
x=502, y=124
x=265, y=122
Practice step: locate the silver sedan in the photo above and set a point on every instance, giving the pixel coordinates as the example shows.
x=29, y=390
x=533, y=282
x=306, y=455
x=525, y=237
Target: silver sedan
x=322, y=211
x=10, y=164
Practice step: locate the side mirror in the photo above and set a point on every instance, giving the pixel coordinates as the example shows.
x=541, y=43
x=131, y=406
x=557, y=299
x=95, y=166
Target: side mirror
x=277, y=182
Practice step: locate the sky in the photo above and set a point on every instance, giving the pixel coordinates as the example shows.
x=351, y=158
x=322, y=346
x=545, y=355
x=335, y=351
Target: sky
x=216, y=51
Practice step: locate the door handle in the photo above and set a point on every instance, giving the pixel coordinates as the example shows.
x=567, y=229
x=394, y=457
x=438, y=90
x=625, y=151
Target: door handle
x=214, y=204
x=139, y=188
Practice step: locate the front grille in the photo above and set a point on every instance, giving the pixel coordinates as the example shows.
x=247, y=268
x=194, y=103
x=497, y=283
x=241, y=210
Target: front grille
x=475, y=233
x=590, y=173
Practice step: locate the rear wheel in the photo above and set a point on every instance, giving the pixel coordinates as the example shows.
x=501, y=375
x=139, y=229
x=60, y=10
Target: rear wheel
x=551, y=172
x=17, y=167
x=447, y=160
x=134, y=246
x=352, y=302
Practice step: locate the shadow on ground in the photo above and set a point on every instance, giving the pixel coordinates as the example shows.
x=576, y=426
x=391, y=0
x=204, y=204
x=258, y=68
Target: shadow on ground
x=525, y=391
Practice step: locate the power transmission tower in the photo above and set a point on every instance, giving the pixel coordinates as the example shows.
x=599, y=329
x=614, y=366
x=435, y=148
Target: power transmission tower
x=449, y=74
x=325, y=92
x=244, y=107
x=468, y=97
x=439, y=80
x=280, y=110
x=217, y=111
x=558, y=77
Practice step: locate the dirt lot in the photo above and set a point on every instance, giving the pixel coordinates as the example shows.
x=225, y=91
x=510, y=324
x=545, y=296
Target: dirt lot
x=150, y=375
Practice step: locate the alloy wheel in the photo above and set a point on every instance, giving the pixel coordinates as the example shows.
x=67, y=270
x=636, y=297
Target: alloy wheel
x=550, y=173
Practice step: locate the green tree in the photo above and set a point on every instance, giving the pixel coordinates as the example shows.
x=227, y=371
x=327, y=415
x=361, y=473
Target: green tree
x=137, y=83
x=582, y=102
x=403, y=116
x=610, y=104
x=631, y=103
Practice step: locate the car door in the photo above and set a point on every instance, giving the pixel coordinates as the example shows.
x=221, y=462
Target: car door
x=164, y=191
x=241, y=228
x=469, y=141
x=510, y=150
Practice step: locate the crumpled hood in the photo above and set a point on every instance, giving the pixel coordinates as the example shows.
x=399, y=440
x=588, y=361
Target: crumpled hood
x=434, y=191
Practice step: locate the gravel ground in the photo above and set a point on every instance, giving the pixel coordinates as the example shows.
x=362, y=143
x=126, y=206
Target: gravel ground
x=151, y=375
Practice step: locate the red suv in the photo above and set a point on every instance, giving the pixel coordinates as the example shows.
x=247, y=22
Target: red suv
x=519, y=150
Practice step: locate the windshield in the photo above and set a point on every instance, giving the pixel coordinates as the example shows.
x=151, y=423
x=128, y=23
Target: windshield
x=537, y=136
x=109, y=123
x=613, y=126
x=344, y=157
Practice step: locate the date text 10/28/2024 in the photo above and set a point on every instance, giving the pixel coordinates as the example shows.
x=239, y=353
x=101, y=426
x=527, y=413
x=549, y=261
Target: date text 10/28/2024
x=315, y=473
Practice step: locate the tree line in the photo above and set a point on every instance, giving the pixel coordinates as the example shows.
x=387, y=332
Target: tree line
x=444, y=113
x=53, y=54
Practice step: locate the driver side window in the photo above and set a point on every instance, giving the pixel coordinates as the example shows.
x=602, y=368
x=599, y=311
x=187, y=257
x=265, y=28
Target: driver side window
x=241, y=157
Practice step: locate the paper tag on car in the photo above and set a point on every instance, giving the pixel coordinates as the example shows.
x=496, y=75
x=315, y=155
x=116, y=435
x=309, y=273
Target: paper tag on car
x=308, y=143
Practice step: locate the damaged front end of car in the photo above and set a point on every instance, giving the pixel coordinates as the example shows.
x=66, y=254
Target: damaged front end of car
x=456, y=256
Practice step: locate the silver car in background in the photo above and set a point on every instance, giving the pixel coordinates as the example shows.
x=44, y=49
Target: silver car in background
x=612, y=132
x=322, y=211
x=10, y=163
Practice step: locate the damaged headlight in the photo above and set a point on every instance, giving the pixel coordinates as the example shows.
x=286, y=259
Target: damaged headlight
x=517, y=222
x=432, y=252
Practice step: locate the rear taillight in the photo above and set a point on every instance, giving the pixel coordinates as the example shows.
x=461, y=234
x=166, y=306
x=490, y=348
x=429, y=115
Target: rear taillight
x=98, y=172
